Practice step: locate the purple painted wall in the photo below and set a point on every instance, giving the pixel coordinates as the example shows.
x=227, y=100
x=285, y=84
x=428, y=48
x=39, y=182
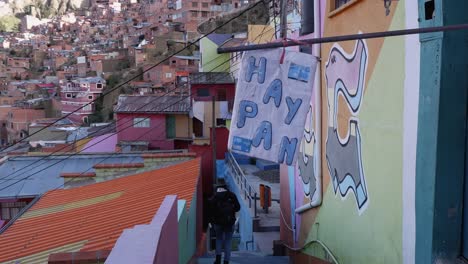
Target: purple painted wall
x=104, y=143
x=153, y=243
x=157, y=136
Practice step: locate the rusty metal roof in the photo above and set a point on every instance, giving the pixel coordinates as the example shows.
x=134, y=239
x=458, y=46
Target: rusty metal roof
x=152, y=104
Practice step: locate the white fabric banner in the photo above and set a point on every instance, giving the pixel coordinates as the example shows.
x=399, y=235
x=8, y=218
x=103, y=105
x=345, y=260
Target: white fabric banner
x=271, y=104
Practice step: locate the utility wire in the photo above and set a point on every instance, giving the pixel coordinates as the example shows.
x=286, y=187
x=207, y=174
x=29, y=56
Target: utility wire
x=74, y=154
x=104, y=127
x=140, y=74
x=25, y=178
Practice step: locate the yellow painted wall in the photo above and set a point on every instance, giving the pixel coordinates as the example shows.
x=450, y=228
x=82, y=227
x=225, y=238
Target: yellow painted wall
x=183, y=127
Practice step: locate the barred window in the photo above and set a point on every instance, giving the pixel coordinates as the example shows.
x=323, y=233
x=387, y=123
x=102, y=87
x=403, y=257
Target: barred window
x=141, y=122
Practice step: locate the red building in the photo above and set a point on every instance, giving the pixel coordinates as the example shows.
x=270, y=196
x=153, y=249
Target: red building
x=204, y=85
x=153, y=122
x=75, y=94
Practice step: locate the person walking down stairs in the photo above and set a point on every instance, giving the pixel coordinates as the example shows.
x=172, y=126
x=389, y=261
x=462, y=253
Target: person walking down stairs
x=222, y=215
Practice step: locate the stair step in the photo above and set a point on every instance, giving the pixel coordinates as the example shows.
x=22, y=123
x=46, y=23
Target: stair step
x=246, y=257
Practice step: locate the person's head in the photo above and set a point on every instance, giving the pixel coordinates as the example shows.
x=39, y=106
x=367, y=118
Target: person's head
x=221, y=183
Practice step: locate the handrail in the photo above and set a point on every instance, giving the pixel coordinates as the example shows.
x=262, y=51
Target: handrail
x=244, y=185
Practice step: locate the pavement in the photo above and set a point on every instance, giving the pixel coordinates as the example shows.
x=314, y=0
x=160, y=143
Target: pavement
x=247, y=257
x=272, y=218
x=264, y=240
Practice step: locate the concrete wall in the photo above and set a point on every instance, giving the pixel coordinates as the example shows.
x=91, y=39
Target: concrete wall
x=153, y=243
x=358, y=155
x=211, y=60
x=183, y=126
x=157, y=139
x=244, y=215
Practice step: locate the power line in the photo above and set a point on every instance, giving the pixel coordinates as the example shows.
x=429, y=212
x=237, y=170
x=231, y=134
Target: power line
x=74, y=154
x=25, y=178
x=3, y=178
x=140, y=74
x=103, y=128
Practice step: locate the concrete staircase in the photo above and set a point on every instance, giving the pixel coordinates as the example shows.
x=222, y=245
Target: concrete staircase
x=247, y=257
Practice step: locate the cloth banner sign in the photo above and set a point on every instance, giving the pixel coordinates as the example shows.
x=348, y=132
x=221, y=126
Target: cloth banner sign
x=271, y=104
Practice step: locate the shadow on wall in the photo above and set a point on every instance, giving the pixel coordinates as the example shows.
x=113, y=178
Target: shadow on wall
x=245, y=217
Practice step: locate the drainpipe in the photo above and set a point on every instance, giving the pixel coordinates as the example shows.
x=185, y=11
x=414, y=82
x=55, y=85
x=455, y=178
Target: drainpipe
x=317, y=49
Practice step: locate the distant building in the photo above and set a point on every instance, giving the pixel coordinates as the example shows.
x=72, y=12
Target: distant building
x=204, y=86
x=77, y=93
x=167, y=117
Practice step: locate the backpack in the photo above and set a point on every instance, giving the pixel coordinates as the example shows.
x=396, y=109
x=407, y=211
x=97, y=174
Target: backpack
x=225, y=211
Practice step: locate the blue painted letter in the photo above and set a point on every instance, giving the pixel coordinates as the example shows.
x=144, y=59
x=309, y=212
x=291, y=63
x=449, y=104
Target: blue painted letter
x=293, y=106
x=252, y=69
x=287, y=147
x=275, y=90
x=247, y=109
x=263, y=132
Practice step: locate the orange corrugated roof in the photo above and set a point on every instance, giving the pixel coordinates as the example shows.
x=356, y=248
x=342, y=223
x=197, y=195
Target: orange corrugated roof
x=98, y=213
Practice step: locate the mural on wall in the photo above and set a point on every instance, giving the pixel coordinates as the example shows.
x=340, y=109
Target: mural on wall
x=345, y=76
x=307, y=160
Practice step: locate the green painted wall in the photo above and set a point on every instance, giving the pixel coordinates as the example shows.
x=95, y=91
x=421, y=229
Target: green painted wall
x=187, y=229
x=374, y=236
x=211, y=60
x=440, y=169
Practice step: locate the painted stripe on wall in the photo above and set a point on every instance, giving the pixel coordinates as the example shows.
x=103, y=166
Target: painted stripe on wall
x=410, y=129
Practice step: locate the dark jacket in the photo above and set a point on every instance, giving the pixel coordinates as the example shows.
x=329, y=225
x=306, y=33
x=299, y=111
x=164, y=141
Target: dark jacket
x=222, y=207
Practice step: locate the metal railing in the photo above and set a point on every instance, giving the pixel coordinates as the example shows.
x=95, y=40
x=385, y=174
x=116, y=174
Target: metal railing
x=245, y=188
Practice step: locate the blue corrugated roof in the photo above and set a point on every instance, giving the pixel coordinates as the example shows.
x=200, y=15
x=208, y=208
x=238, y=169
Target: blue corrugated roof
x=43, y=179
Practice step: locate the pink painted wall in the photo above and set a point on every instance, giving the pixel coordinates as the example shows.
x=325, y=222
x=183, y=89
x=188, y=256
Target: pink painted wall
x=155, y=134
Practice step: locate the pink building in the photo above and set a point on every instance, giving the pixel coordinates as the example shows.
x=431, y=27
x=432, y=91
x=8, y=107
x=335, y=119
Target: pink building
x=75, y=94
x=153, y=122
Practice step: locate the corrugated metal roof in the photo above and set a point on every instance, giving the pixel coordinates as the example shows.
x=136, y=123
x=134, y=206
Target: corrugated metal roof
x=152, y=104
x=219, y=39
x=43, y=179
x=211, y=78
x=95, y=215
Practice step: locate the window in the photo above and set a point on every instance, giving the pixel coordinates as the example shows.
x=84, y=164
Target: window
x=168, y=75
x=90, y=97
x=99, y=85
x=197, y=127
x=10, y=210
x=68, y=95
x=339, y=3
x=204, y=14
x=194, y=13
x=88, y=108
x=202, y=92
x=429, y=9
x=222, y=95
x=220, y=122
x=141, y=122
x=204, y=5
x=194, y=4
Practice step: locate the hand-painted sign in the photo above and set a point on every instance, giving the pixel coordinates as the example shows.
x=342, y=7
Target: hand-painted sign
x=272, y=100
